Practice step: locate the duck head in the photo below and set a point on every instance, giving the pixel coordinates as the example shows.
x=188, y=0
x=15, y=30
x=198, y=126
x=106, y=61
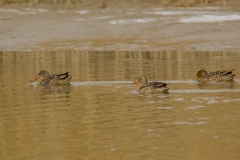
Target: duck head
x=41, y=75
x=141, y=79
x=201, y=74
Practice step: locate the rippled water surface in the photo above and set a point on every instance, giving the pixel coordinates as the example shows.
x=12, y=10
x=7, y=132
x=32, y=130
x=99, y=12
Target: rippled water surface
x=101, y=115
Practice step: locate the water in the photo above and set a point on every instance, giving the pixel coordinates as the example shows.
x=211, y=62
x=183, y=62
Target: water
x=100, y=115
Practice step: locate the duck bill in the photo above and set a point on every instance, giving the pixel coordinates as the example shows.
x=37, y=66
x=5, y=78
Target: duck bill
x=196, y=78
x=136, y=82
x=35, y=79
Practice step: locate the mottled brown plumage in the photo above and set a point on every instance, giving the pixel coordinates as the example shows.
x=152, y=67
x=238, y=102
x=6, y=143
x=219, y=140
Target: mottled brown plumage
x=218, y=76
x=52, y=79
x=159, y=87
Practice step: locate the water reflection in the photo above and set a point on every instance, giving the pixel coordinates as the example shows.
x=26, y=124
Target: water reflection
x=101, y=114
x=213, y=86
x=54, y=89
x=95, y=66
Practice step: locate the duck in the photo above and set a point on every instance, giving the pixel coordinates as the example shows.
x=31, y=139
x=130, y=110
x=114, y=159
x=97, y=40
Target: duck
x=217, y=76
x=150, y=87
x=52, y=79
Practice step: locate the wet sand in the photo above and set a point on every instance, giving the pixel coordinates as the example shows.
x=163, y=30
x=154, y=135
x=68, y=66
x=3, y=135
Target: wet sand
x=119, y=27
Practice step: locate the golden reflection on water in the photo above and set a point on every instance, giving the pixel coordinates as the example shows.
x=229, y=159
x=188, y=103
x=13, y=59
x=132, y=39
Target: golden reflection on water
x=100, y=115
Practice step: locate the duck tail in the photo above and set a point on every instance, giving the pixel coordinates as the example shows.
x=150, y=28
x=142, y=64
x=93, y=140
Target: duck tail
x=165, y=89
x=232, y=76
x=227, y=72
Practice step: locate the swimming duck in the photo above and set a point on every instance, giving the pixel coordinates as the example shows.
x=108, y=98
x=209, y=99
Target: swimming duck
x=150, y=86
x=218, y=76
x=52, y=79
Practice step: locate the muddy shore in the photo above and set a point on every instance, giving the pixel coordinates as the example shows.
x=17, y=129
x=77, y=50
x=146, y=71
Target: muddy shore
x=120, y=27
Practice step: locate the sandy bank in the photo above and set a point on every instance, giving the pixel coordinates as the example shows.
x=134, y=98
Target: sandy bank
x=120, y=28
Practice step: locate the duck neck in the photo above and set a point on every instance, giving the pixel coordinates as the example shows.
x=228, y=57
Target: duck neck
x=145, y=81
x=46, y=74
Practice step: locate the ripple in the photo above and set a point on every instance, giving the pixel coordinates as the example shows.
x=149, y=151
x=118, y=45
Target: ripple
x=190, y=123
x=79, y=19
x=142, y=20
x=100, y=83
x=164, y=107
x=34, y=84
x=180, y=122
x=195, y=107
x=103, y=17
x=212, y=101
x=225, y=100
x=202, y=91
x=179, y=99
x=165, y=81
x=26, y=12
x=82, y=11
x=211, y=18
x=177, y=12
x=17, y=11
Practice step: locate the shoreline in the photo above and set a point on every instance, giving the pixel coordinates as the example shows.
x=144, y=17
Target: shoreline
x=113, y=28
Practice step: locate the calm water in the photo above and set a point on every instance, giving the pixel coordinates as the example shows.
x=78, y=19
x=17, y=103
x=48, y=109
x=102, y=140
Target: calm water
x=102, y=116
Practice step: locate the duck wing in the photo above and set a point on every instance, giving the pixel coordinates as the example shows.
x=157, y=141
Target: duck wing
x=220, y=73
x=214, y=73
x=62, y=76
x=158, y=84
